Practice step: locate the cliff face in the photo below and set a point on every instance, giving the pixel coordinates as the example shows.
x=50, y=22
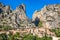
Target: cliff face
x=14, y=18
x=49, y=15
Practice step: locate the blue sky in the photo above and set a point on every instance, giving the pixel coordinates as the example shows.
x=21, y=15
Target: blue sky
x=31, y=5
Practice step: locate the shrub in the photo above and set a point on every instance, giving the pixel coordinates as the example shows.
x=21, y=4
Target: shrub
x=57, y=31
x=40, y=24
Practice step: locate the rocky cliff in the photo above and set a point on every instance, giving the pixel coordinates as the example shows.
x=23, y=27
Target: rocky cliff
x=14, y=18
x=50, y=15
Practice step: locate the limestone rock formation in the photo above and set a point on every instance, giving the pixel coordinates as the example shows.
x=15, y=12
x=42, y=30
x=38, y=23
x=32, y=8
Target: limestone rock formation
x=50, y=15
x=14, y=18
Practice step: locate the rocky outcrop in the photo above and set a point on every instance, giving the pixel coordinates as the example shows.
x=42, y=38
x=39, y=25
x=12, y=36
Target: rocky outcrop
x=49, y=15
x=14, y=18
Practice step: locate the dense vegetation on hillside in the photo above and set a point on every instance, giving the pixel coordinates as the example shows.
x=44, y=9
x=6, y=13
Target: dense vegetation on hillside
x=57, y=31
x=17, y=36
x=6, y=28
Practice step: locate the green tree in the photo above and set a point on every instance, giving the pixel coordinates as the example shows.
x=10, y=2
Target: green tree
x=57, y=31
x=47, y=38
x=14, y=37
x=29, y=37
x=3, y=36
x=6, y=28
x=40, y=24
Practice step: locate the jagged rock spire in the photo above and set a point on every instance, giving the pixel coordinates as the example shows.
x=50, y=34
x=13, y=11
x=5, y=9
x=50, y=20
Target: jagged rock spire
x=22, y=6
x=1, y=5
x=16, y=18
x=7, y=7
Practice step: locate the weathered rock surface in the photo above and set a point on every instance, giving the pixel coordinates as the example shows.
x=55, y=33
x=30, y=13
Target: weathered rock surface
x=50, y=15
x=14, y=18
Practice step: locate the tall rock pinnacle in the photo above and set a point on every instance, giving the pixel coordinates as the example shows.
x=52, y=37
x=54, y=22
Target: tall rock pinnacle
x=14, y=18
x=50, y=15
